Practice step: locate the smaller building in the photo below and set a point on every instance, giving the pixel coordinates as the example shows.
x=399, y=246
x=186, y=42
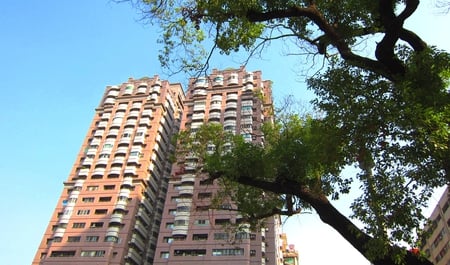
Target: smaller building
x=290, y=254
x=436, y=242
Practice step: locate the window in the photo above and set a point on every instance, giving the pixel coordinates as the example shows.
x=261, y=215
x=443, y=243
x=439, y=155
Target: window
x=206, y=182
x=69, y=253
x=199, y=237
x=93, y=253
x=222, y=221
x=253, y=253
x=172, y=211
x=91, y=238
x=183, y=209
x=169, y=225
x=201, y=222
x=104, y=199
x=252, y=236
x=228, y=252
x=74, y=239
x=167, y=239
x=104, y=156
x=78, y=225
x=164, y=255
x=88, y=199
x=180, y=222
x=57, y=239
x=242, y=235
x=189, y=252
x=202, y=208
x=221, y=236
x=111, y=239
x=101, y=211
x=92, y=188
x=83, y=212
x=204, y=195
x=96, y=224
x=109, y=187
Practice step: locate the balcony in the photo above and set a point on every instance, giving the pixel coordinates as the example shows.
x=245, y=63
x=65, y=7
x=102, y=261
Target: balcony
x=218, y=80
x=87, y=161
x=140, y=227
x=99, y=171
x=136, y=105
x=109, y=101
x=113, y=93
x=133, y=160
x=249, y=87
x=113, y=231
x=199, y=107
x=201, y=82
x=116, y=218
x=145, y=121
x=125, y=140
x=113, y=132
x=99, y=133
x=198, y=116
x=231, y=105
x=59, y=232
x=122, y=150
x=232, y=97
x=199, y=92
x=102, y=124
x=125, y=192
x=131, y=122
x=139, y=139
x=134, y=255
x=147, y=113
x=121, y=205
x=78, y=183
x=122, y=106
x=184, y=201
x=137, y=242
x=215, y=106
x=83, y=172
x=102, y=161
x=233, y=79
x=147, y=205
x=188, y=178
x=248, y=78
x=186, y=190
x=106, y=116
x=115, y=171
x=118, y=160
x=215, y=116
x=133, y=113
x=130, y=170
x=141, y=214
x=142, y=89
x=230, y=114
x=127, y=181
x=180, y=230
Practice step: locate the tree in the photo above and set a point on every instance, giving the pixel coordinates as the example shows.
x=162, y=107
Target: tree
x=387, y=113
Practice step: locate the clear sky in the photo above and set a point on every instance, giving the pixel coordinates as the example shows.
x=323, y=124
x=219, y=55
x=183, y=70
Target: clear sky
x=56, y=58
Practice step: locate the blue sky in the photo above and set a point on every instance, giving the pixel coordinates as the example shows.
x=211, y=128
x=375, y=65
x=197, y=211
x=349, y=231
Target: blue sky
x=57, y=57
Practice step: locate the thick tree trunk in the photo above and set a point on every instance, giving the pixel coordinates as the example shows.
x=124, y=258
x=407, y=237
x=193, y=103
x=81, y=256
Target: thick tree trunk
x=358, y=239
x=331, y=216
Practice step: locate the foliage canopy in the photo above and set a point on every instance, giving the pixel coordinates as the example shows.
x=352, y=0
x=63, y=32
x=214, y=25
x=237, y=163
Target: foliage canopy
x=387, y=111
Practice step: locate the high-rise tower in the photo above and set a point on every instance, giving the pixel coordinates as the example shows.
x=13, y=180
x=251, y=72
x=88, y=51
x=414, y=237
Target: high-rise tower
x=192, y=232
x=111, y=206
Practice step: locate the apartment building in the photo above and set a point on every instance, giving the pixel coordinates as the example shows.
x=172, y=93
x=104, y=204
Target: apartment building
x=436, y=243
x=111, y=205
x=192, y=232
